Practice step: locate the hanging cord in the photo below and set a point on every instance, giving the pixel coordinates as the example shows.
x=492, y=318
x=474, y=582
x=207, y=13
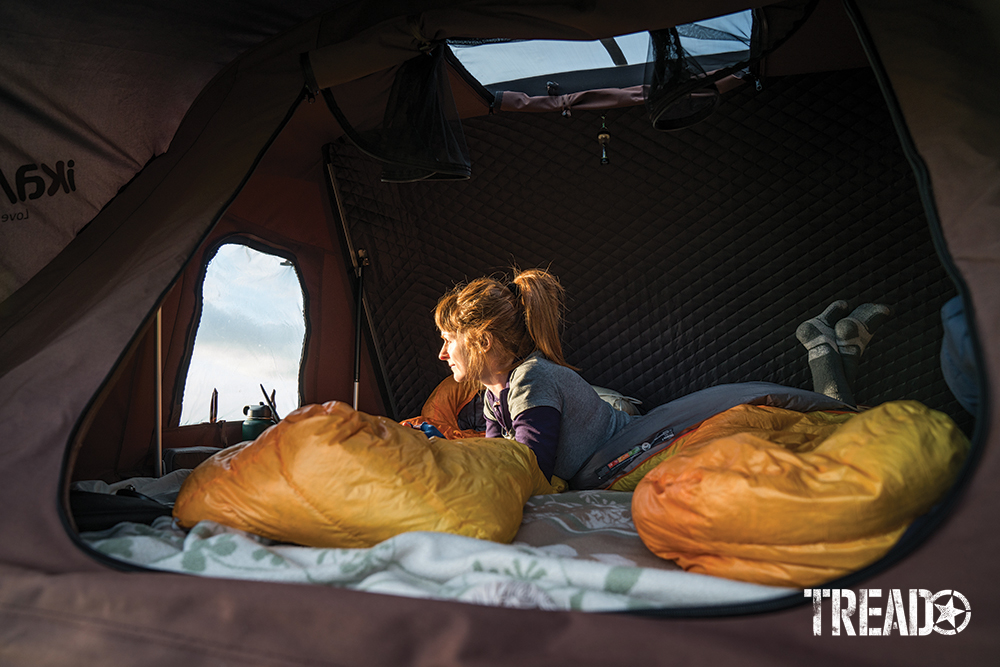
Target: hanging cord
x=604, y=138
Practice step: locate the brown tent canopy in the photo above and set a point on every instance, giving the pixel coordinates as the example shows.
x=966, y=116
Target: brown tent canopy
x=137, y=139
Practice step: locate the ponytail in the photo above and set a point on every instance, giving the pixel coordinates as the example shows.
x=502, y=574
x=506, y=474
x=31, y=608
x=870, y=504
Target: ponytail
x=541, y=296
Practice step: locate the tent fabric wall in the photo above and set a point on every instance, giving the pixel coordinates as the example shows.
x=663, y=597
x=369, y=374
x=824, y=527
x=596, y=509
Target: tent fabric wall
x=64, y=333
x=149, y=78
x=68, y=327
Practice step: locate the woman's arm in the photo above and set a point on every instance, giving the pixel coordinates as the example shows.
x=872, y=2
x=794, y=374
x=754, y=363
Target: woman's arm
x=493, y=429
x=538, y=428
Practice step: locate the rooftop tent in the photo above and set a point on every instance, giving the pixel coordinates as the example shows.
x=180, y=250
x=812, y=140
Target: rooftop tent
x=72, y=337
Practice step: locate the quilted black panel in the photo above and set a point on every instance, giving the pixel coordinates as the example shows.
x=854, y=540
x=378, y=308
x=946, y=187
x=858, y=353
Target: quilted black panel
x=690, y=259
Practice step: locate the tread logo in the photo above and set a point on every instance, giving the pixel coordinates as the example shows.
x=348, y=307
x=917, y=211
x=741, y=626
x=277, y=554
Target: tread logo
x=948, y=617
x=29, y=183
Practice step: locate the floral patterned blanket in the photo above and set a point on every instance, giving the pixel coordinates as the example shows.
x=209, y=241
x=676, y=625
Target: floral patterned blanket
x=574, y=551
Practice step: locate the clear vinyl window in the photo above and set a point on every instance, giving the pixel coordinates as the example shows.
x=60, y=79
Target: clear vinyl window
x=251, y=333
x=522, y=65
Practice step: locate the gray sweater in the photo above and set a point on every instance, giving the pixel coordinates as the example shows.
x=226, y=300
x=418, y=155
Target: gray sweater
x=587, y=421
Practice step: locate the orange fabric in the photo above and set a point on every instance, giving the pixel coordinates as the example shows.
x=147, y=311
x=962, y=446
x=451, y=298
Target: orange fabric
x=772, y=496
x=442, y=407
x=329, y=476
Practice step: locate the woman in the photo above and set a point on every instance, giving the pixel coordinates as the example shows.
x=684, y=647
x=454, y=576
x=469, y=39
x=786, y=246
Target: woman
x=506, y=337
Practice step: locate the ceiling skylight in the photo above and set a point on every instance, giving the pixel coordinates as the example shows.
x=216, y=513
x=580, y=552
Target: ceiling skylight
x=528, y=65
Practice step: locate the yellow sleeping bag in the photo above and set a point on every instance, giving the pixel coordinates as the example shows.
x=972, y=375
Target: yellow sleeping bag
x=778, y=497
x=329, y=476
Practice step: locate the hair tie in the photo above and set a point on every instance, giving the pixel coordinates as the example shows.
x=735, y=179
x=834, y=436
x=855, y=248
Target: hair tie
x=515, y=289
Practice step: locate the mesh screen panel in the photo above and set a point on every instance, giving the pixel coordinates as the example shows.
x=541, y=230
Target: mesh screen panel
x=688, y=261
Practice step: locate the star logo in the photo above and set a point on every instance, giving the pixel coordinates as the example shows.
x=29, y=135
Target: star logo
x=954, y=616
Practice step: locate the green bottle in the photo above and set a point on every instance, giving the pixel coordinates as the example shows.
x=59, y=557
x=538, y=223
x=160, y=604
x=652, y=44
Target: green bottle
x=258, y=421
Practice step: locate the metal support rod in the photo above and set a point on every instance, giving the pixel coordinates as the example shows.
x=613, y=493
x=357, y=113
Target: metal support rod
x=158, y=463
x=342, y=236
x=359, y=315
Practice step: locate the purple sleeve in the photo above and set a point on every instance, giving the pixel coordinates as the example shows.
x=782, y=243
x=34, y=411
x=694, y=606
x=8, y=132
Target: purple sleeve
x=538, y=428
x=493, y=429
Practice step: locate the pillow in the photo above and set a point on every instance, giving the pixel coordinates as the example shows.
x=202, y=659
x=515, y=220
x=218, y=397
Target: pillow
x=618, y=401
x=329, y=476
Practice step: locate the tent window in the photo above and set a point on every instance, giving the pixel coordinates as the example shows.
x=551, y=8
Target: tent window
x=527, y=66
x=251, y=333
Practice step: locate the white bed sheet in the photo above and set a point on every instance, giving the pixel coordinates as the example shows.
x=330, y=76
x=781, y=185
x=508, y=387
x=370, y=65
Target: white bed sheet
x=574, y=551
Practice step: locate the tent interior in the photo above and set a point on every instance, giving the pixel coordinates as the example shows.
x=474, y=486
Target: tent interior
x=689, y=257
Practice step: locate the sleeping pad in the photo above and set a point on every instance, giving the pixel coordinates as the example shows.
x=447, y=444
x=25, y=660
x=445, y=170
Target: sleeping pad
x=774, y=496
x=329, y=476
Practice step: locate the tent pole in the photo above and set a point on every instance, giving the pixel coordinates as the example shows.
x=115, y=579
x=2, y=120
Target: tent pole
x=158, y=461
x=360, y=304
x=358, y=258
